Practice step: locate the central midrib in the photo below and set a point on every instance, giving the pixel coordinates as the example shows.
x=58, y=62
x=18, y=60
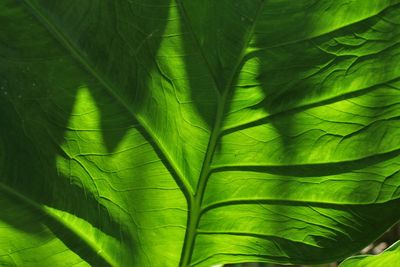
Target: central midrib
x=195, y=197
x=194, y=203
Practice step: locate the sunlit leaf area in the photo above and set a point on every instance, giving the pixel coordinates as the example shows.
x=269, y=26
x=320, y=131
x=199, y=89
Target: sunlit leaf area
x=177, y=133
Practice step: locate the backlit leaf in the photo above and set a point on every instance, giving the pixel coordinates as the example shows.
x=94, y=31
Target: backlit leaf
x=192, y=133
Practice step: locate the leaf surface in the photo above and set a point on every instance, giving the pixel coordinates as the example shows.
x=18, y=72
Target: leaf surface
x=389, y=257
x=190, y=133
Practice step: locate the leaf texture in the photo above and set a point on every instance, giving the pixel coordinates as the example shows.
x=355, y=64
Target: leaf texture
x=191, y=133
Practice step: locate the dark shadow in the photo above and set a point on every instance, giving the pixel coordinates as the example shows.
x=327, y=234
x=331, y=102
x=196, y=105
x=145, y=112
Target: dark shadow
x=32, y=220
x=298, y=74
x=40, y=75
x=300, y=62
x=290, y=88
x=119, y=56
x=370, y=216
x=29, y=167
x=216, y=32
x=320, y=169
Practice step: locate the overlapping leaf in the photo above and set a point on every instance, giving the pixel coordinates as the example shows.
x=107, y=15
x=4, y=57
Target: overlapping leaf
x=166, y=133
x=389, y=257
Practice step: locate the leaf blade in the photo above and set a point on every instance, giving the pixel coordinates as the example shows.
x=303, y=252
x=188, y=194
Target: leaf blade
x=271, y=170
x=388, y=257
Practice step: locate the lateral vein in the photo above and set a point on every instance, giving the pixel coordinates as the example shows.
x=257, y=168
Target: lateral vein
x=48, y=214
x=53, y=29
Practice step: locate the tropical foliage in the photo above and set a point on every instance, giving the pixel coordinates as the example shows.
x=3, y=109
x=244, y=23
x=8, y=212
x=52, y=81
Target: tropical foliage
x=192, y=133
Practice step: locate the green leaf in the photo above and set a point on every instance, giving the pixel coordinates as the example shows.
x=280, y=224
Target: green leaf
x=191, y=133
x=389, y=257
